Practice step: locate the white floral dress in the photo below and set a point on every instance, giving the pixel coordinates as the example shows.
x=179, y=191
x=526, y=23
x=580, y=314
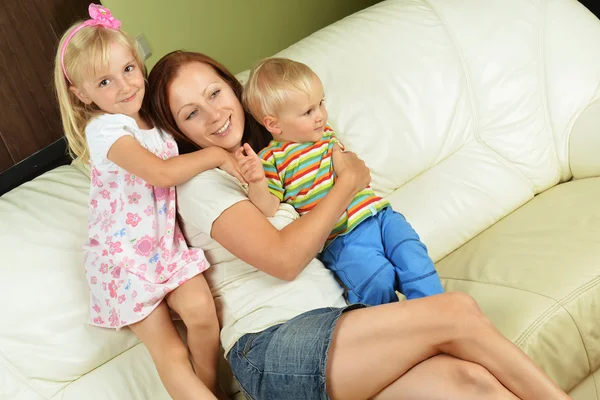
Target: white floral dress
x=136, y=253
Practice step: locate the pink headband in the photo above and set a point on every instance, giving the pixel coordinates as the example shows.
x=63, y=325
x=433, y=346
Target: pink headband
x=98, y=16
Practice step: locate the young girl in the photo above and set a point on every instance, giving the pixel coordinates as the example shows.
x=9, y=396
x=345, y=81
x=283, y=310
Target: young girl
x=136, y=255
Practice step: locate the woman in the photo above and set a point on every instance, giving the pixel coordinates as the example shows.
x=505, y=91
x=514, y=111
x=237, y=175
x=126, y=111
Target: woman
x=286, y=329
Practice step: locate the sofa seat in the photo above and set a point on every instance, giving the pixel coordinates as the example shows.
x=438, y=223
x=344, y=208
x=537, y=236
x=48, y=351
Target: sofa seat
x=535, y=274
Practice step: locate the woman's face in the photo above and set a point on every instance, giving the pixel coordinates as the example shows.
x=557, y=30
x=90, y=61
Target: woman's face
x=205, y=107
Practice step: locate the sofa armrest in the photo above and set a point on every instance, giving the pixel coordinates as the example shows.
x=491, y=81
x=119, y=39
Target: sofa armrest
x=584, y=143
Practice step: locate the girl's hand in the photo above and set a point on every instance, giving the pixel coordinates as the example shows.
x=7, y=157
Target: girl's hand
x=350, y=169
x=250, y=164
x=231, y=166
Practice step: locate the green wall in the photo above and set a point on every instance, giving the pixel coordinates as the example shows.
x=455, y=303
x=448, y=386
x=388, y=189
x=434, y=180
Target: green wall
x=235, y=32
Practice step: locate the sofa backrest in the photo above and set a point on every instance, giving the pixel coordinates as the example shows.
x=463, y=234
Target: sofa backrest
x=461, y=108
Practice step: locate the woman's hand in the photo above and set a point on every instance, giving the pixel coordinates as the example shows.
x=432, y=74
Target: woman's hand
x=230, y=165
x=250, y=165
x=350, y=169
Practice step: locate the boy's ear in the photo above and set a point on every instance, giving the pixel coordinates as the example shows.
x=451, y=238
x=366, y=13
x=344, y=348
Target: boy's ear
x=80, y=95
x=272, y=125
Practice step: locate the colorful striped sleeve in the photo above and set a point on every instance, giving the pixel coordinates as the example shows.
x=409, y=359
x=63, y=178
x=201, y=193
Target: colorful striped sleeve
x=273, y=180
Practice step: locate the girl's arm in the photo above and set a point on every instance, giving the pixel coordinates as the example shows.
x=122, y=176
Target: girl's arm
x=246, y=233
x=130, y=155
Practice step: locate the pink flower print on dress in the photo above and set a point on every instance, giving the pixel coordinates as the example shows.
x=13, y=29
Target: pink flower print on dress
x=133, y=219
x=94, y=241
x=134, y=198
x=105, y=194
x=115, y=247
x=127, y=263
x=95, y=174
x=171, y=213
x=104, y=286
x=172, y=195
x=142, y=267
x=94, y=203
x=116, y=273
x=133, y=180
x=99, y=321
x=149, y=288
x=133, y=295
x=107, y=301
x=97, y=308
x=172, y=267
x=112, y=287
x=107, y=222
x=144, y=246
x=113, y=185
x=121, y=298
x=138, y=307
x=170, y=144
x=189, y=256
x=113, y=206
x=149, y=211
x=93, y=280
x=160, y=193
x=148, y=186
x=114, y=317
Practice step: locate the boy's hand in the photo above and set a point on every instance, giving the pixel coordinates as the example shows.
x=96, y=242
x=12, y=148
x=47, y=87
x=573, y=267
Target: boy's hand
x=250, y=164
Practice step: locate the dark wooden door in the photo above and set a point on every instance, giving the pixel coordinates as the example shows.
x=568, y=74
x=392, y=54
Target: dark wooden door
x=29, y=34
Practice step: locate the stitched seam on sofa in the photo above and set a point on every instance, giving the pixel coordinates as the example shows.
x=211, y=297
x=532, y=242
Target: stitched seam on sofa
x=472, y=100
x=587, y=354
x=545, y=316
x=95, y=368
x=542, y=63
x=27, y=383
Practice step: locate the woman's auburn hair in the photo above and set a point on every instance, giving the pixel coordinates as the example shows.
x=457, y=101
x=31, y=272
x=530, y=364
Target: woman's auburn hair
x=160, y=78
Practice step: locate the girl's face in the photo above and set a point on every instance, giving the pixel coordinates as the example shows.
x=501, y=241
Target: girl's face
x=117, y=90
x=205, y=107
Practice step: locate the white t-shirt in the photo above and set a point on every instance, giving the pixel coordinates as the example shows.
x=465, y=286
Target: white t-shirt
x=247, y=299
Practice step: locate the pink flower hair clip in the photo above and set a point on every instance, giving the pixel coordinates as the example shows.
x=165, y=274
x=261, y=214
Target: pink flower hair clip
x=99, y=16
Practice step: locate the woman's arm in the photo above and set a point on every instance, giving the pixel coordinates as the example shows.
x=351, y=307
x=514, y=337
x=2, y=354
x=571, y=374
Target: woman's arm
x=245, y=232
x=128, y=154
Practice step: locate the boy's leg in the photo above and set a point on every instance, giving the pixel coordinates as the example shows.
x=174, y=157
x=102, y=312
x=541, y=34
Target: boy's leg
x=359, y=262
x=403, y=247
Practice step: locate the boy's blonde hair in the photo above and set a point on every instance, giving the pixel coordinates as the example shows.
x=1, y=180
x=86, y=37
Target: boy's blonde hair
x=87, y=54
x=265, y=91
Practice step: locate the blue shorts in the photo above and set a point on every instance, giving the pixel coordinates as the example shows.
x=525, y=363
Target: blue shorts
x=287, y=361
x=380, y=256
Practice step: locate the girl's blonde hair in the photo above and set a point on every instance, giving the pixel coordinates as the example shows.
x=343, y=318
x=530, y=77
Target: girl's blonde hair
x=86, y=55
x=265, y=91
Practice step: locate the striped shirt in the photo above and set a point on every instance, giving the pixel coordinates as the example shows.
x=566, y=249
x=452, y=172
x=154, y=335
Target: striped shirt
x=301, y=174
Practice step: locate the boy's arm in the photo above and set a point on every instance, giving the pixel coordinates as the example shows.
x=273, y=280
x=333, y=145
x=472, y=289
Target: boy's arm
x=262, y=198
x=253, y=171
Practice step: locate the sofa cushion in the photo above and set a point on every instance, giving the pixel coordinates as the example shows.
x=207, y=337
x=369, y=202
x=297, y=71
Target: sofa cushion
x=536, y=275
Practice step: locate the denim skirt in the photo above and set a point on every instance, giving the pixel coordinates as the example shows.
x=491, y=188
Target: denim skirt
x=289, y=360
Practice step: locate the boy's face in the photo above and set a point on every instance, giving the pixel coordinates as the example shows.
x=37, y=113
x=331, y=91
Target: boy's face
x=303, y=118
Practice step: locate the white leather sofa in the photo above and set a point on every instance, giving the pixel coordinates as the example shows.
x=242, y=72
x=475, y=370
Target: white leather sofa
x=480, y=121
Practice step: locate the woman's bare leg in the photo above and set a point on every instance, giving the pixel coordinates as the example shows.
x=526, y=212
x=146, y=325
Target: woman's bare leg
x=373, y=347
x=170, y=355
x=444, y=377
x=194, y=303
